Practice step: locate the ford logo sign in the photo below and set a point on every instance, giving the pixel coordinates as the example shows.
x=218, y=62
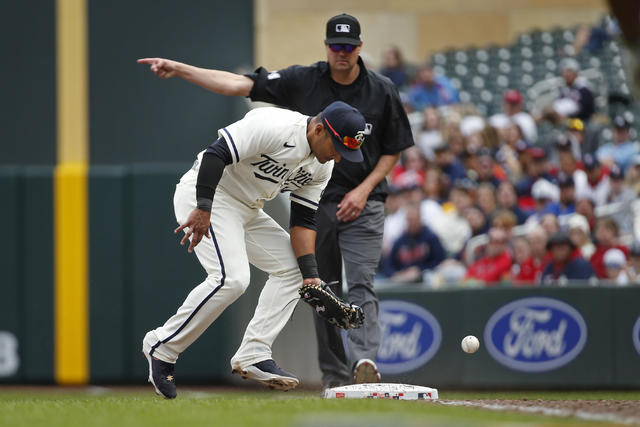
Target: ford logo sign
x=410, y=337
x=535, y=334
x=636, y=335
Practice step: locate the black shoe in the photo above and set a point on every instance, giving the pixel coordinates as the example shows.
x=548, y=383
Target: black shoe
x=161, y=376
x=270, y=374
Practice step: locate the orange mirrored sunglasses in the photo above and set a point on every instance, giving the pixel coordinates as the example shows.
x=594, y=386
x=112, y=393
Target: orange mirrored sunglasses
x=347, y=141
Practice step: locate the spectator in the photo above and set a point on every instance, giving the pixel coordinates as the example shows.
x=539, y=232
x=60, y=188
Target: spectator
x=431, y=90
x=537, y=168
x=435, y=185
x=451, y=227
x=449, y=163
x=504, y=220
x=430, y=135
x=580, y=235
x=549, y=222
x=513, y=113
x=495, y=265
x=606, y=238
x=576, y=98
x=476, y=219
x=566, y=262
x=568, y=164
x=621, y=193
x=523, y=270
x=394, y=67
x=615, y=263
x=486, y=169
x=540, y=256
x=597, y=186
x=545, y=195
x=567, y=203
x=509, y=151
x=486, y=199
x=416, y=250
x=507, y=199
x=576, y=135
x=453, y=135
x=410, y=170
x=622, y=149
x=587, y=208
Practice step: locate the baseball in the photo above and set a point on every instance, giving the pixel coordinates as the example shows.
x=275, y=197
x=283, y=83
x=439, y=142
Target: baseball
x=470, y=344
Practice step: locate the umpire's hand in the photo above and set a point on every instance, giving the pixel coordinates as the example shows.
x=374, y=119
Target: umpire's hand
x=197, y=227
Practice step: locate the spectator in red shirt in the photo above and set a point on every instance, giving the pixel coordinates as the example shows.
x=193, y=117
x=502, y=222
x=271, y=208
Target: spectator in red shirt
x=523, y=270
x=530, y=269
x=607, y=238
x=495, y=265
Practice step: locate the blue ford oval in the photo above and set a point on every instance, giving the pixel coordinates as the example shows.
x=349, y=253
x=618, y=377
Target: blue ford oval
x=535, y=334
x=636, y=335
x=410, y=337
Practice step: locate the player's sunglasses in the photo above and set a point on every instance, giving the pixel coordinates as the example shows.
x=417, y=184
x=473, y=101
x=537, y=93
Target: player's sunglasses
x=347, y=141
x=335, y=47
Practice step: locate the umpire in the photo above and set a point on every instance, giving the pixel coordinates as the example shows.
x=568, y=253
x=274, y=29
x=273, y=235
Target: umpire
x=350, y=217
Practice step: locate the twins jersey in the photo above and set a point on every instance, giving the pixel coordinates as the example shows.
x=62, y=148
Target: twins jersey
x=270, y=154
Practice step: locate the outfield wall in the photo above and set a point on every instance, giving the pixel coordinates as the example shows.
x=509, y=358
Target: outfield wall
x=138, y=276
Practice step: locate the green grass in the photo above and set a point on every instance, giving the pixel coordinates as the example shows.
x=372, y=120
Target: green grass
x=100, y=407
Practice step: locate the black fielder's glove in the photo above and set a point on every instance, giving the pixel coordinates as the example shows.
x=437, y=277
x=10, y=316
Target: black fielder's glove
x=332, y=308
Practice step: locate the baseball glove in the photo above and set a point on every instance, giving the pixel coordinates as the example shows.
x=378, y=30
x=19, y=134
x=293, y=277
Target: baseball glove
x=332, y=308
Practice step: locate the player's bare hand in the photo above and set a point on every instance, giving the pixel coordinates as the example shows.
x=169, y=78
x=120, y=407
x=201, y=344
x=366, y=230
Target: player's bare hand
x=352, y=204
x=163, y=68
x=196, y=227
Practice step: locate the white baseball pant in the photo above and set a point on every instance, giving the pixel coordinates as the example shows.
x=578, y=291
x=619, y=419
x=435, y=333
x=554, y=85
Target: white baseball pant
x=239, y=235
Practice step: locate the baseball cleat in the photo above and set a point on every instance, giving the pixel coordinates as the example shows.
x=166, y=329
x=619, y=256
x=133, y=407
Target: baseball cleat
x=161, y=376
x=269, y=374
x=366, y=372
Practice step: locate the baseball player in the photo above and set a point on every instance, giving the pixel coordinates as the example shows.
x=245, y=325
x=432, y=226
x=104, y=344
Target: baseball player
x=218, y=204
x=351, y=210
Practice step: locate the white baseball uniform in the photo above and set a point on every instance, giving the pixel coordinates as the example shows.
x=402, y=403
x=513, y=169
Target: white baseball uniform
x=270, y=154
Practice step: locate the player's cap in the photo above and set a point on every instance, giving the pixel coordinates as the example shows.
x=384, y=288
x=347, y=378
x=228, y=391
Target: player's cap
x=512, y=96
x=343, y=29
x=619, y=122
x=590, y=161
x=346, y=126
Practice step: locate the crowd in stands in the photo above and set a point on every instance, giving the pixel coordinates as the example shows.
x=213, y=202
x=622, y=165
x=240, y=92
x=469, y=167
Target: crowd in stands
x=484, y=201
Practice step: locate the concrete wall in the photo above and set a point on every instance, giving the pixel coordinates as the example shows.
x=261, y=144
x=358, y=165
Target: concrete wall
x=289, y=32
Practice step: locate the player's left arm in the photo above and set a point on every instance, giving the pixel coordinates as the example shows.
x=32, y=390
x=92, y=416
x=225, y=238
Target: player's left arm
x=302, y=228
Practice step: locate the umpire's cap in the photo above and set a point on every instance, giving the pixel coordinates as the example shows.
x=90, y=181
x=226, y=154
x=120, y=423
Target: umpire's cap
x=347, y=127
x=343, y=29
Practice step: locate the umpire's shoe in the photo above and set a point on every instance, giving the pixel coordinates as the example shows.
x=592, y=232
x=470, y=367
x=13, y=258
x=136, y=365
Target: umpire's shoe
x=161, y=376
x=365, y=371
x=270, y=374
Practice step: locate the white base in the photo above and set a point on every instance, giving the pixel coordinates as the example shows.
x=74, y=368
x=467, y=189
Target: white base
x=382, y=391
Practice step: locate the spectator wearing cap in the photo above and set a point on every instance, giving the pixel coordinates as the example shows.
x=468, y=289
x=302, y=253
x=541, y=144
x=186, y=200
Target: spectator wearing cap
x=431, y=90
x=622, y=149
x=495, y=265
x=545, y=194
x=448, y=163
x=576, y=135
x=606, y=238
x=566, y=205
x=537, y=168
x=394, y=67
x=597, y=186
x=514, y=113
x=576, y=98
x=416, y=250
x=615, y=263
x=580, y=235
x=566, y=262
x=621, y=193
x=508, y=200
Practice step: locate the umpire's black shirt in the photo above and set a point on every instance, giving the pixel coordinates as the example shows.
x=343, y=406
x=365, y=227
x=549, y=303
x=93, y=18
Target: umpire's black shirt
x=310, y=89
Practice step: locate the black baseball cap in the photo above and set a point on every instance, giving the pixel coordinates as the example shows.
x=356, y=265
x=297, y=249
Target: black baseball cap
x=346, y=126
x=590, y=161
x=560, y=238
x=343, y=29
x=565, y=180
x=615, y=172
x=620, y=122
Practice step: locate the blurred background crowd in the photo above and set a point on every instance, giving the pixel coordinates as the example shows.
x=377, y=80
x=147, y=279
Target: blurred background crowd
x=526, y=167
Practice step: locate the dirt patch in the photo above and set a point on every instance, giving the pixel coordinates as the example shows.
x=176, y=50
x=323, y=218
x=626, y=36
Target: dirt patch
x=610, y=410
